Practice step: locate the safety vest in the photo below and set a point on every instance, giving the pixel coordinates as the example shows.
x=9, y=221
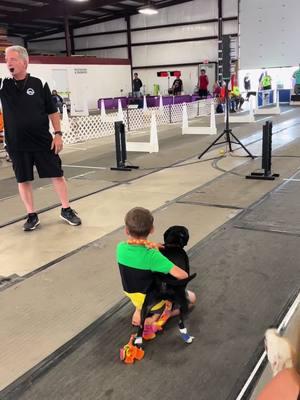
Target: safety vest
x=235, y=91
x=266, y=81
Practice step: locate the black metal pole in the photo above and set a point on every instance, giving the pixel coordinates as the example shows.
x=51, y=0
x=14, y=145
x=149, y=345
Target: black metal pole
x=118, y=125
x=121, y=152
x=123, y=144
x=266, y=162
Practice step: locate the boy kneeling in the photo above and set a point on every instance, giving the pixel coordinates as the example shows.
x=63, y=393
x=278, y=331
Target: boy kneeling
x=138, y=260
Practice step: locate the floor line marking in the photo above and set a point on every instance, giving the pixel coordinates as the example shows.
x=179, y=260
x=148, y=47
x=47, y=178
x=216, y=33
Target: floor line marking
x=287, y=111
x=69, y=146
x=80, y=175
x=82, y=166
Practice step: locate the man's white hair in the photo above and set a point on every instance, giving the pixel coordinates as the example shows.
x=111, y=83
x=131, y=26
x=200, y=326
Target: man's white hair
x=20, y=50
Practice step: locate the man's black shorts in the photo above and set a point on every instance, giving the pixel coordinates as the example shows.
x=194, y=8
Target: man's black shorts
x=47, y=163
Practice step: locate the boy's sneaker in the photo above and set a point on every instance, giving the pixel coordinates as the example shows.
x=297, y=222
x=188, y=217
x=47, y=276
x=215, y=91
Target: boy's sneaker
x=70, y=216
x=32, y=222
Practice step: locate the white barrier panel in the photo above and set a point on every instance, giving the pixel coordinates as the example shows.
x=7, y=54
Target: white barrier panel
x=147, y=147
x=120, y=115
x=145, y=107
x=161, y=106
x=246, y=118
x=111, y=118
x=103, y=110
x=268, y=110
x=199, y=130
x=65, y=123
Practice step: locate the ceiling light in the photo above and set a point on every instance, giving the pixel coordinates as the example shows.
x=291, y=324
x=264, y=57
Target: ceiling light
x=148, y=10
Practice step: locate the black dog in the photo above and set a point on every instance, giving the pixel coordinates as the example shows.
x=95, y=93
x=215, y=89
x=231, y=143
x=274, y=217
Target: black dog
x=167, y=287
x=175, y=239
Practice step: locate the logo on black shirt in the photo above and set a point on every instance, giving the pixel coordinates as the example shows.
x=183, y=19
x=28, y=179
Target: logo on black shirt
x=30, y=92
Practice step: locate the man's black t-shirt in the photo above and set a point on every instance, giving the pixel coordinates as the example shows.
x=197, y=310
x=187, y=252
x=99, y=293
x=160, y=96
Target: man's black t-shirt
x=26, y=105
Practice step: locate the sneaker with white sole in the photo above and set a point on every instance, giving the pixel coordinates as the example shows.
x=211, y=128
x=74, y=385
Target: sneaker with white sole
x=70, y=215
x=32, y=222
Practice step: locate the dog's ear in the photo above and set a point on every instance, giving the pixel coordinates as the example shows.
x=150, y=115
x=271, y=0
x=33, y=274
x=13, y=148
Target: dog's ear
x=176, y=235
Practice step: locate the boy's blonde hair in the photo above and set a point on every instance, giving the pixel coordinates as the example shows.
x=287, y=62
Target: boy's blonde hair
x=139, y=222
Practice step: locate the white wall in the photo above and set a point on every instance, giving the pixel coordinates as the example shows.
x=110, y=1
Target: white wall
x=48, y=47
x=101, y=41
x=269, y=32
x=166, y=54
x=102, y=80
x=108, y=53
x=187, y=12
x=184, y=52
x=114, y=25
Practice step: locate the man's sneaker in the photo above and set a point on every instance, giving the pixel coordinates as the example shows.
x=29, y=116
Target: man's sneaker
x=70, y=216
x=32, y=222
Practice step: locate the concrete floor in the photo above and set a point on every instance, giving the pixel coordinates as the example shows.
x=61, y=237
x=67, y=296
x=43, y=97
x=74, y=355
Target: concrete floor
x=66, y=286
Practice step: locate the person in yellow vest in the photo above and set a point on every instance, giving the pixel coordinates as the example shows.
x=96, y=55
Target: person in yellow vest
x=236, y=98
x=266, y=81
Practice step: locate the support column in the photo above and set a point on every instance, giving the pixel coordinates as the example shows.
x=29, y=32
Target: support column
x=67, y=32
x=72, y=41
x=220, y=34
x=129, y=48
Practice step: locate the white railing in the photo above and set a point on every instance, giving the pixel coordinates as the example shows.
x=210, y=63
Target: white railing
x=83, y=128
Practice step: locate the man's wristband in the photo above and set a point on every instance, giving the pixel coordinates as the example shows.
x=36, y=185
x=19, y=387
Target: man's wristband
x=58, y=133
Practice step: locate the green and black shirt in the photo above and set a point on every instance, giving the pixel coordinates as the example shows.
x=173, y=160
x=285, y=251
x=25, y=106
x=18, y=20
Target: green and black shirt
x=137, y=264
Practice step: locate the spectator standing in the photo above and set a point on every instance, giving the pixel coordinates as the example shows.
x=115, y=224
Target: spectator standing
x=177, y=86
x=136, y=85
x=58, y=100
x=203, y=84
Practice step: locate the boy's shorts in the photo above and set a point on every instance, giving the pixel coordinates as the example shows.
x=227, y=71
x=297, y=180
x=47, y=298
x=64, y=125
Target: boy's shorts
x=138, y=299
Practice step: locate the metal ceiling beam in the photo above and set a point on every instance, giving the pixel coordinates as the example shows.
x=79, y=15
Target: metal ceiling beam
x=15, y=5
x=94, y=5
x=56, y=10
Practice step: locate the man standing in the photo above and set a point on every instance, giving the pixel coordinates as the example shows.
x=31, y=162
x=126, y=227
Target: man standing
x=136, y=85
x=27, y=106
x=203, y=84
